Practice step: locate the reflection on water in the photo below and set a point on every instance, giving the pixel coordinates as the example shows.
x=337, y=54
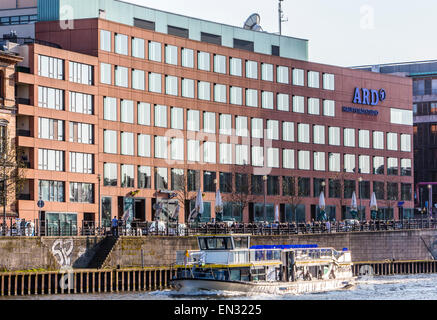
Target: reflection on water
x=408, y=287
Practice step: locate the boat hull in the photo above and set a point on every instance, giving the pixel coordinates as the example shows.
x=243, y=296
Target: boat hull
x=187, y=286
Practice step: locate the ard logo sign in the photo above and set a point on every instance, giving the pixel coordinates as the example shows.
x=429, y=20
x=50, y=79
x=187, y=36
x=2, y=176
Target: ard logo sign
x=369, y=97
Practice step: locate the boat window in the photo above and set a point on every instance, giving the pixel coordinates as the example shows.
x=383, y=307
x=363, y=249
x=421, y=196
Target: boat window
x=228, y=243
x=221, y=274
x=235, y=275
x=241, y=242
x=202, y=243
x=216, y=243
x=245, y=272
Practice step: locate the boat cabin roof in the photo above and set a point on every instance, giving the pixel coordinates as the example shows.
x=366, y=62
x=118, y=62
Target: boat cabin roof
x=224, y=242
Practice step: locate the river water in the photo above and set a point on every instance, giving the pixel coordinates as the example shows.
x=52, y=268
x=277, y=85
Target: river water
x=401, y=287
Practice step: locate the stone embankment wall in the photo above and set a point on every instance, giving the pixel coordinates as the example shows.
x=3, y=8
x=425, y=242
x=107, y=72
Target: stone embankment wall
x=53, y=253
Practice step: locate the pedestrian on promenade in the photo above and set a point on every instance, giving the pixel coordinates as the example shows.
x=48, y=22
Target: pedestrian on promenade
x=114, y=227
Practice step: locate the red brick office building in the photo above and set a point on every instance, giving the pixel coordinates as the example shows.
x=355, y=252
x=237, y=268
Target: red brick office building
x=128, y=115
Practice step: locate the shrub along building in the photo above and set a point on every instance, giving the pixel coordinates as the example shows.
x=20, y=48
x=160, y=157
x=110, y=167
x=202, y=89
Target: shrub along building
x=141, y=108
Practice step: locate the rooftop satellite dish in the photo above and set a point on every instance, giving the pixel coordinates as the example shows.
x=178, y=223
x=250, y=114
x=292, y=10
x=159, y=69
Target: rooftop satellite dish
x=252, y=23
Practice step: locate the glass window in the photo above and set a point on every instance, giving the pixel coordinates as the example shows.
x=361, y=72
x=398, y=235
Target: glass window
x=288, y=186
x=144, y=113
x=406, y=142
x=334, y=162
x=236, y=95
x=161, y=178
x=400, y=116
x=392, y=141
x=188, y=88
x=161, y=147
x=251, y=98
x=52, y=160
x=110, y=141
x=193, y=150
x=209, y=152
x=50, y=67
x=235, y=65
x=138, y=46
x=144, y=177
x=298, y=77
x=313, y=106
x=154, y=51
x=257, y=128
x=203, y=61
x=204, y=90
x=144, y=145
x=349, y=137
x=220, y=93
x=349, y=188
x=50, y=129
x=171, y=85
x=273, y=129
x=208, y=181
x=105, y=40
x=378, y=165
x=226, y=124
x=110, y=174
x=392, y=166
x=225, y=153
x=257, y=156
x=81, y=192
x=187, y=58
x=364, y=138
x=81, y=103
x=127, y=143
x=349, y=163
x=121, y=44
x=209, y=122
x=288, y=159
x=303, y=185
x=303, y=133
x=303, y=160
x=177, y=118
x=127, y=111
x=251, y=69
x=241, y=126
x=406, y=191
x=329, y=108
x=121, y=76
x=177, y=149
x=288, y=131
x=406, y=167
x=298, y=104
x=313, y=79
x=219, y=64
x=328, y=81
x=177, y=179
x=160, y=116
x=105, y=73
x=319, y=161
x=193, y=180
x=364, y=164
x=272, y=157
x=267, y=100
x=81, y=132
x=282, y=74
x=81, y=162
x=272, y=185
x=319, y=134
x=226, y=182
x=154, y=82
x=283, y=101
x=50, y=98
x=378, y=140
x=138, y=79
x=334, y=136
x=266, y=72
x=171, y=54
x=193, y=122
x=241, y=155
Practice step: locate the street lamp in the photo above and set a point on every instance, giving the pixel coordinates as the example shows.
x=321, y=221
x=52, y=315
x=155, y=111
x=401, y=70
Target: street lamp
x=323, y=184
x=429, y=203
x=359, y=193
x=3, y=143
x=99, y=177
x=264, y=187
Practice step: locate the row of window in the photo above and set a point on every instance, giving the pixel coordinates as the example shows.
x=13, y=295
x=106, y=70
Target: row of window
x=54, y=99
x=54, y=68
x=239, y=183
x=219, y=62
x=53, y=160
x=54, y=130
x=54, y=191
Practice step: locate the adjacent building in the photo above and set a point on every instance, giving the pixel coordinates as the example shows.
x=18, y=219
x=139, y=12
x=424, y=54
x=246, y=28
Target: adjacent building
x=132, y=110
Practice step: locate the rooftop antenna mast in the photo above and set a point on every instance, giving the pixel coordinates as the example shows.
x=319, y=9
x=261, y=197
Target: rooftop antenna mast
x=281, y=16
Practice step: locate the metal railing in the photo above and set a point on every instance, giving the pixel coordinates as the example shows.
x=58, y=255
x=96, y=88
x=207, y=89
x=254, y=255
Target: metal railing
x=175, y=229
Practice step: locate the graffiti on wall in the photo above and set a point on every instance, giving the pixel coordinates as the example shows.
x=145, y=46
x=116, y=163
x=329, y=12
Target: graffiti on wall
x=62, y=250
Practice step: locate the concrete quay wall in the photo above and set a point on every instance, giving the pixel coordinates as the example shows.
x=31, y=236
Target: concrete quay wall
x=54, y=253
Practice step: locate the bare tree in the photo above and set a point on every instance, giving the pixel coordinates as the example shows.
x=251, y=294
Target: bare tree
x=182, y=193
x=294, y=198
x=12, y=178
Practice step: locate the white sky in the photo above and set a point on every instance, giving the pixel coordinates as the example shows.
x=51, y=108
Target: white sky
x=340, y=32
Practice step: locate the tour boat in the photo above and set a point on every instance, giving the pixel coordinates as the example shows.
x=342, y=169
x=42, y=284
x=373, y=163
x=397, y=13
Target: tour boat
x=229, y=263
